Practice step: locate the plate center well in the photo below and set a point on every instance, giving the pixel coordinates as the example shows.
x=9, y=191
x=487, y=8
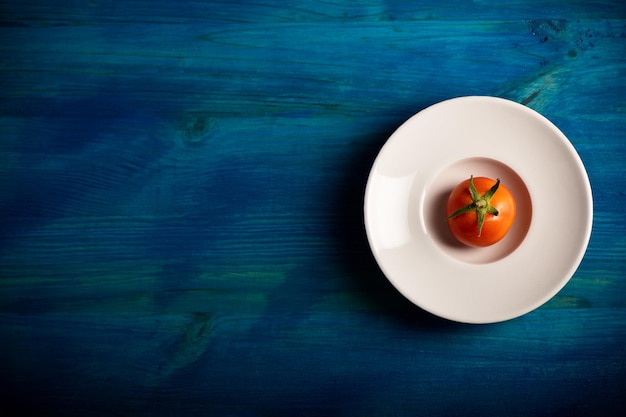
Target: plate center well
x=434, y=209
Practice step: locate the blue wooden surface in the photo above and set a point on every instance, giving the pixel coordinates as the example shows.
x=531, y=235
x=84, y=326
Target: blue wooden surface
x=180, y=207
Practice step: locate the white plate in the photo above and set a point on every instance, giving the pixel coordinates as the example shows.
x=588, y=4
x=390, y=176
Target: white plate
x=405, y=209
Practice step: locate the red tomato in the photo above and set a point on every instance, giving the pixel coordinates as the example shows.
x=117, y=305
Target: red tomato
x=480, y=211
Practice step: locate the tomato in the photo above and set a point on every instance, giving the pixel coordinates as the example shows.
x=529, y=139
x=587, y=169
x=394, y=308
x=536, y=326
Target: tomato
x=480, y=211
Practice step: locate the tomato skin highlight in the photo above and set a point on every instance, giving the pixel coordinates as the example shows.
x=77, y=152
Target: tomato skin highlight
x=464, y=226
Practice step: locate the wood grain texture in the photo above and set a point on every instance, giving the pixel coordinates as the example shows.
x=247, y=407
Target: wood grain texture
x=181, y=207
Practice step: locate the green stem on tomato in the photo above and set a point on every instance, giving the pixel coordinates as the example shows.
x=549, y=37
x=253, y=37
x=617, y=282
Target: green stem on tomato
x=480, y=204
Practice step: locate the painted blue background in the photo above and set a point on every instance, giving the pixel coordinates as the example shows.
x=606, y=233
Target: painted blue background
x=181, y=187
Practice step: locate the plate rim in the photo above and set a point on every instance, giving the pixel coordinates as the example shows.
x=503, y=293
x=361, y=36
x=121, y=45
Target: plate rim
x=588, y=214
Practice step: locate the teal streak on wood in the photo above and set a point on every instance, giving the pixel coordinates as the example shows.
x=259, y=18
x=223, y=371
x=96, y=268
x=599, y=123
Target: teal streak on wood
x=228, y=375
